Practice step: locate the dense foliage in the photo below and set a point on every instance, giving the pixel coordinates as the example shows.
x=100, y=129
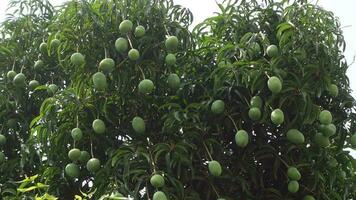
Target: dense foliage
x=109, y=99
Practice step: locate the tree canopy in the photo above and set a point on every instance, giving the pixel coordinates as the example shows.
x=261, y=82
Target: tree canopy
x=110, y=99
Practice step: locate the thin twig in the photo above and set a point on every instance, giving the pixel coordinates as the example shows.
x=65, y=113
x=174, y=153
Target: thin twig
x=143, y=74
x=77, y=120
x=207, y=151
x=128, y=38
x=151, y=157
x=267, y=75
x=282, y=161
x=232, y=120
x=91, y=147
x=216, y=192
x=106, y=52
x=13, y=65
x=23, y=66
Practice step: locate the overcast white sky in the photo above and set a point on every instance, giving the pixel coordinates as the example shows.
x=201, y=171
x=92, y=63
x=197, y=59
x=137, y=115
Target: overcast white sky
x=344, y=9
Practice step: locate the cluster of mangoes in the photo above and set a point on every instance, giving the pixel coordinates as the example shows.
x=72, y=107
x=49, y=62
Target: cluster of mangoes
x=274, y=84
x=100, y=84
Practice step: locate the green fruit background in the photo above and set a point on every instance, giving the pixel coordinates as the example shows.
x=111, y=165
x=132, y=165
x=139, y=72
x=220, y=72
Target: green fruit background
x=157, y=181
x=72, y=170
x=99, y=81
x=241, y=98
x=215, y=168
x=77, y=59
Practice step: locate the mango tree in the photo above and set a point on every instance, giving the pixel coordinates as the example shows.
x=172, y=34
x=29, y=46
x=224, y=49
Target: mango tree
x=118, y=99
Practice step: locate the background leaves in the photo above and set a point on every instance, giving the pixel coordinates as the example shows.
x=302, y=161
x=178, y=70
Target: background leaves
x=222, y=58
